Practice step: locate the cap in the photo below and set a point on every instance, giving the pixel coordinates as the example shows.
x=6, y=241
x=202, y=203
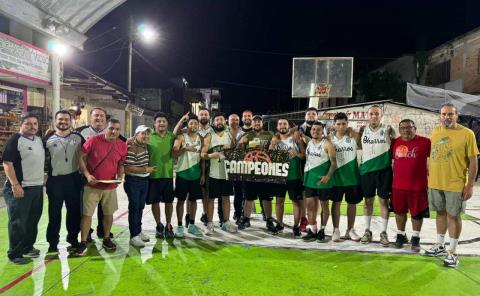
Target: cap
x=257, y=117
x=141, y=128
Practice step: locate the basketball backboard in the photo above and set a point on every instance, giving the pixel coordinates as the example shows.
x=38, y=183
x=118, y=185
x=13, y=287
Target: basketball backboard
x=311, y=74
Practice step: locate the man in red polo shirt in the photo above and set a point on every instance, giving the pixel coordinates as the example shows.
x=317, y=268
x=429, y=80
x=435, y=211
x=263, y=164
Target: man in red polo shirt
x=101, y=159
x=410, y=153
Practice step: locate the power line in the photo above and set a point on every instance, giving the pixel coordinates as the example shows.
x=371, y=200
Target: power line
x=103, y=47
x=250, y=85
x=115, y=62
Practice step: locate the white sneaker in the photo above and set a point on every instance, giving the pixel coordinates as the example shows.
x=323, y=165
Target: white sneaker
x=144, y=237
x=229, y=227
x=352, y=235
x=137, y=242
x=336, y=235
x=210, y=229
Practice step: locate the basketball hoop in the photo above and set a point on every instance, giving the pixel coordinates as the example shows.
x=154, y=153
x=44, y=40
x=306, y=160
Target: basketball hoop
x=322, y=90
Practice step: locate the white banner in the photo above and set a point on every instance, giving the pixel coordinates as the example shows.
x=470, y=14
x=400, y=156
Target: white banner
x=432, y=98
x=21, y=59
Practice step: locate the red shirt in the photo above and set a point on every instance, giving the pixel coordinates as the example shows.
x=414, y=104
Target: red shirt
x=410, y=163
x=97, y=148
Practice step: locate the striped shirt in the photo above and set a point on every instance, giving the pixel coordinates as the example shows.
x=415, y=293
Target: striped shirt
x=137, y=156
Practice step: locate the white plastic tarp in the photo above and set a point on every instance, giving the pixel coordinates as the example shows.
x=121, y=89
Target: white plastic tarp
x=432, y=98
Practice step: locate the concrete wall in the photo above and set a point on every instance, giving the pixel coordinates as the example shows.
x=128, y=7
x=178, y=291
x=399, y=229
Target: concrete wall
x=464, y=55
x=424, y=120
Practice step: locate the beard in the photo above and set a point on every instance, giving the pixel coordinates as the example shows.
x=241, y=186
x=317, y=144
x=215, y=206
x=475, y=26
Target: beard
x=309, y=122
x=218, y=128
x=203, y=121
x=283, y=131
x=62, y=127
x=247, y=122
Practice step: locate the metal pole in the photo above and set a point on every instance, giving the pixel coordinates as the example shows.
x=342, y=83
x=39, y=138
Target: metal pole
x=55, y=83
x=130, y=49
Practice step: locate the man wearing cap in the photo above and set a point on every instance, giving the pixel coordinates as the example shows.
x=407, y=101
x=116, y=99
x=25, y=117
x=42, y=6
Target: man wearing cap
x=137, y=171
x=260, y=140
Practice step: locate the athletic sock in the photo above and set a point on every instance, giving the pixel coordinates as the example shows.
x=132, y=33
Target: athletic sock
x=322, y=226
x=441, y=239
x=401, y=232
x=453, y=245
x=384, y=225
x=416, y=234
x=368, y=219
x=192, y=221
x=180, y=223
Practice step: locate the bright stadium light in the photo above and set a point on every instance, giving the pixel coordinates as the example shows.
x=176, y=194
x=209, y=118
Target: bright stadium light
x=147, y=33
x=57, y=47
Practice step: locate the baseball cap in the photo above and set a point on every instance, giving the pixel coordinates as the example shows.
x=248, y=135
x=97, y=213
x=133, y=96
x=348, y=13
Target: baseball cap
x=141, y=128
x=257, y=117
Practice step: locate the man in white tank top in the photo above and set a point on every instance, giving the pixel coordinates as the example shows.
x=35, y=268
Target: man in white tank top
x=376, y=169
x=218, y=184
x=189, y=177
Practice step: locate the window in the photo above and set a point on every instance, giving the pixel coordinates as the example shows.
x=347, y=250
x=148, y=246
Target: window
x=440, y=73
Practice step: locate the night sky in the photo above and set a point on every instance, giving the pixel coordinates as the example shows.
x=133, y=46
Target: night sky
x=246, y=47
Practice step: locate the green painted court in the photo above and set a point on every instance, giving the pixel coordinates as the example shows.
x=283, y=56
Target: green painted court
x=202, y=267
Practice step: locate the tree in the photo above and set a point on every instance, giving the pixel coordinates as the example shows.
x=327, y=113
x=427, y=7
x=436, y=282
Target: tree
x=376, y=86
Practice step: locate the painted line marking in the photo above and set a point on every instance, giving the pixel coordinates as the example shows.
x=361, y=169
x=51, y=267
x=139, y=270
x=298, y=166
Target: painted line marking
x=39, y=267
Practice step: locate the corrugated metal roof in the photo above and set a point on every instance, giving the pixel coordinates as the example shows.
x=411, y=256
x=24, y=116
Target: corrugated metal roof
x=67, y=20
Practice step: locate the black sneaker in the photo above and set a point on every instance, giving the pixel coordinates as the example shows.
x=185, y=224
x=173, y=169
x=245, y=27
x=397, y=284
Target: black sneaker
x=279, y=228
x=20, y=260
x=204, y=219
x=89, y=237
x=169, y=234
x=415, y=243
x=244, y=223
x=296, y=232
x=52, y=249
x=108, y=245
x=310, y=236
x=187, y=220
x=81, y=249
x=271, y=227
x=321, y=235
x=264, y=217
x=160, y=231
x=401, y=240
x=32, y=253
x=73, y=247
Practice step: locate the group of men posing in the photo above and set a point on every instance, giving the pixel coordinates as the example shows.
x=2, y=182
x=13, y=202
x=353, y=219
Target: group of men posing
x=323, y=167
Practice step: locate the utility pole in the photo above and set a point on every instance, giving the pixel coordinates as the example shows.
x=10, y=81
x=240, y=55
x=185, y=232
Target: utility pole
x=128, y=115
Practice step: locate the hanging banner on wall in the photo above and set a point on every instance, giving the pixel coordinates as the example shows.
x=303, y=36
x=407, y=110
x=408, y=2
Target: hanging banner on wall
x=20, y=59
x=257, y=165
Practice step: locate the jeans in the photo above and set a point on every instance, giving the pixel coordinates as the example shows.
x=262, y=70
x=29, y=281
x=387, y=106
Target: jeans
x=137, y=190
x=238, y=198
x=66, y=189
x=23, y=216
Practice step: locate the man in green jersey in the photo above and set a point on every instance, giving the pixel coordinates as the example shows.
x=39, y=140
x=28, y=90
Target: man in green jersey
x=320, y=165
x=346, y=178
x=376, y=169
x=189, y=176
x=160, y=148
x=292, y=142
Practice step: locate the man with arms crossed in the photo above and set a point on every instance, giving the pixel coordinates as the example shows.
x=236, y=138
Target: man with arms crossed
x=101, y=158
x=410, y=156
x=452, y=172
x=376, y=169
x=320, y=165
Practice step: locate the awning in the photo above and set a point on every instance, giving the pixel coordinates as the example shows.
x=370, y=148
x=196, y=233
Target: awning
x=67, y=20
